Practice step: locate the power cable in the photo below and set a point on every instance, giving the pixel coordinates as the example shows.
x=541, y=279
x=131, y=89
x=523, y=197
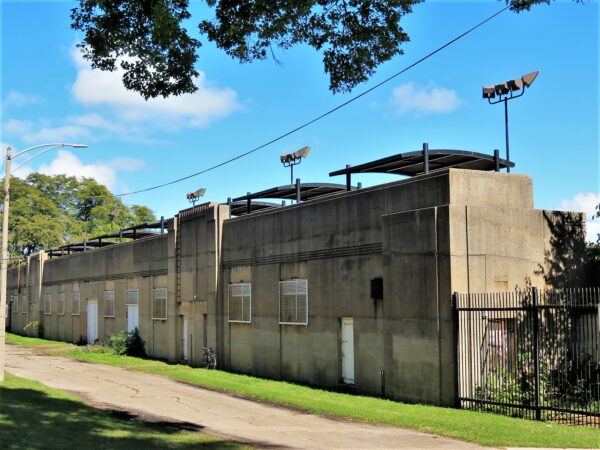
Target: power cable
x=325, y=114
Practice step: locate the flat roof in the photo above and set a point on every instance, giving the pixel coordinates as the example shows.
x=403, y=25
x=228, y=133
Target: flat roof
x=413, y=163
x=288, y=192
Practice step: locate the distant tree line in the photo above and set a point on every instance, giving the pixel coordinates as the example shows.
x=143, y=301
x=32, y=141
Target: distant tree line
x=49, y=211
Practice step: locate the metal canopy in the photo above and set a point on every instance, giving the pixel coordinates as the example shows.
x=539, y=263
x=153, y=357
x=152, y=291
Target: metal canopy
x=428, y=161
x=307, y=191
x=241, y=208
x=134, y=232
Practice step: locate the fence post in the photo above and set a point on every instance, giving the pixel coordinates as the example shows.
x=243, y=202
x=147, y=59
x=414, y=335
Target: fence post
x=536, y=352
x=456, y=331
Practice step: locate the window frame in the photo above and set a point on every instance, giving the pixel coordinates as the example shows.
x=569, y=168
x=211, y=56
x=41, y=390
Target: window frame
x=47, y=302
x=137, y=295
x=15, y=305
x=155, y=298
x=295, y=280
x=61, y=301
x=104, y=298
x=73, y=295
x=242, y=285
x=25, y=306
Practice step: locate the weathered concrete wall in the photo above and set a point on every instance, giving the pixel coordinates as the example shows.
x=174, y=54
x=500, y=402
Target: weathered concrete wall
x=426, y=237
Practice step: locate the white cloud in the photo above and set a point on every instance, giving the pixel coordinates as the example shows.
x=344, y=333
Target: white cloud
x=15, y=127
x=101, y=88
x=88, y=127
x=104, y=172
x=63, y=133
x=423, y=100
x=585, y=202
x=14, y=98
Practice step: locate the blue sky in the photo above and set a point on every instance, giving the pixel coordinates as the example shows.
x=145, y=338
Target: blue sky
x=50, y=94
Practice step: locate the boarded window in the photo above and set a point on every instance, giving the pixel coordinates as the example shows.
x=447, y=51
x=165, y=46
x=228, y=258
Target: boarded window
x=240, y=302
x=48, y=304
x=109, y=303
x=61, y=304
x=159, y=303
x=293, y=302
x=133, y=296
x=75, y=303
x=24, y=305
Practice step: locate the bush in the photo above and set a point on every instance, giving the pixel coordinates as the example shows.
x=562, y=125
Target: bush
x=128, y=343
x=135, y=344
x=36, y=327
x=119, y=343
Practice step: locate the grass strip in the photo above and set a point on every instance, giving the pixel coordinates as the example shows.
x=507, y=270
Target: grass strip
x=34, y=416
x=482, y=428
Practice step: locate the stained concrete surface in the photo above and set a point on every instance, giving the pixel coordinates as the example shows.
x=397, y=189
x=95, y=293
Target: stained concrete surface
x=258, y=424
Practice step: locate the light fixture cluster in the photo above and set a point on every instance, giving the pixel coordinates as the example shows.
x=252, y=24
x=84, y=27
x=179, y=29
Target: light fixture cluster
x=509, y=87
x=194, y=196
x=294, y=158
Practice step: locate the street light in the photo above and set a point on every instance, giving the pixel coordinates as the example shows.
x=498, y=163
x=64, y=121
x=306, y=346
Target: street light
x=292, y=159
x=507, y=91
x=193, y=197
x=5, y=256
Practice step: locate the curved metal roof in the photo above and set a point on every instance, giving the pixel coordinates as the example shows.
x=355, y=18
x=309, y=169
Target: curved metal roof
x=413, y=163
x=288, y=192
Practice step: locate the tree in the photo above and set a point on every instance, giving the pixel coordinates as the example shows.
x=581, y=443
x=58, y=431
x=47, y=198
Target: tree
x=147, y=39
x=49, y=211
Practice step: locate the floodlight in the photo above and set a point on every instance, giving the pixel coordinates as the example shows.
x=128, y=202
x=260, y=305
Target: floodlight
x=515, y=85
x=508, y=91
x=194, y=196
x=501, y=89
x=528, y=78
x=292, y=159
x=302, y=153
x=489, y=92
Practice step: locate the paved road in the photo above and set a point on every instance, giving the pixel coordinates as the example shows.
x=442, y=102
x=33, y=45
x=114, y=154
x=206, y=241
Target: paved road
x=242, y=420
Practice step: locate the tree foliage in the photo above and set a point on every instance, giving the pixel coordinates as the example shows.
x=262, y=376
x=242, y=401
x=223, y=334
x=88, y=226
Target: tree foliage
x=148, y=39
x=49, y=211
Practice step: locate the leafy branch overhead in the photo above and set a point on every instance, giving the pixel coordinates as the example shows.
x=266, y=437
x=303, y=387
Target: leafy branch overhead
x=148, y=40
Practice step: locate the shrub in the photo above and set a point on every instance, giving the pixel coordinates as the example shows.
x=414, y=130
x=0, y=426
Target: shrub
x=135, y=344
x=36, y=327
x=128, y=343
x=118, y=343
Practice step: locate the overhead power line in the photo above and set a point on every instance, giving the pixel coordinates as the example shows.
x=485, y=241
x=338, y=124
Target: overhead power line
x=325, y=114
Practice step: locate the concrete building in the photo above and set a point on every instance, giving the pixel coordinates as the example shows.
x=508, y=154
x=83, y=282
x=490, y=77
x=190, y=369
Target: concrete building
x=350, y=287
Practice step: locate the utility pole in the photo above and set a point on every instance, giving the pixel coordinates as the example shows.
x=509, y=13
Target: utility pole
x=5, y=257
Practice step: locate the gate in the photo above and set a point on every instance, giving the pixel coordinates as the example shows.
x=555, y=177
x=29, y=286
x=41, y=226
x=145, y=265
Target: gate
x=531, y=354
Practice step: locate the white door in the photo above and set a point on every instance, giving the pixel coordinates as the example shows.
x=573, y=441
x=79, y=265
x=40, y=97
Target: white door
x=186, y=341
x=348, y=350
x=133, y=317
x=92, y=321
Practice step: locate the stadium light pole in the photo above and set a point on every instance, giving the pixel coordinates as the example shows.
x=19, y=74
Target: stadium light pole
x=193, y=197
x=508, y=91
x=5, y=213
x=292, y=159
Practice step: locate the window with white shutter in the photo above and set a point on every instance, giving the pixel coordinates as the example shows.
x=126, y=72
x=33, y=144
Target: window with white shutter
x=240, y=302
x=159, y=303
x=293, y=302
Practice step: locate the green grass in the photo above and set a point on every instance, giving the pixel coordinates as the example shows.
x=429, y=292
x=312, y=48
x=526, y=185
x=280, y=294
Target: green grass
x=34, y=416
x=482, y=428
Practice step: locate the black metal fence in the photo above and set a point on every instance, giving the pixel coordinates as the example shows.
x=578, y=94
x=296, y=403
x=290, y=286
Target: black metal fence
x=532, y=354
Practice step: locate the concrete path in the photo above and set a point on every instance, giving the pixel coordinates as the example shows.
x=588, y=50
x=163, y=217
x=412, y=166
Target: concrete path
x=241, y=420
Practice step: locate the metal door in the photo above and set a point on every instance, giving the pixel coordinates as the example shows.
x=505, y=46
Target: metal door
x=133, y=317
x=348, y=350
x=92, y=321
